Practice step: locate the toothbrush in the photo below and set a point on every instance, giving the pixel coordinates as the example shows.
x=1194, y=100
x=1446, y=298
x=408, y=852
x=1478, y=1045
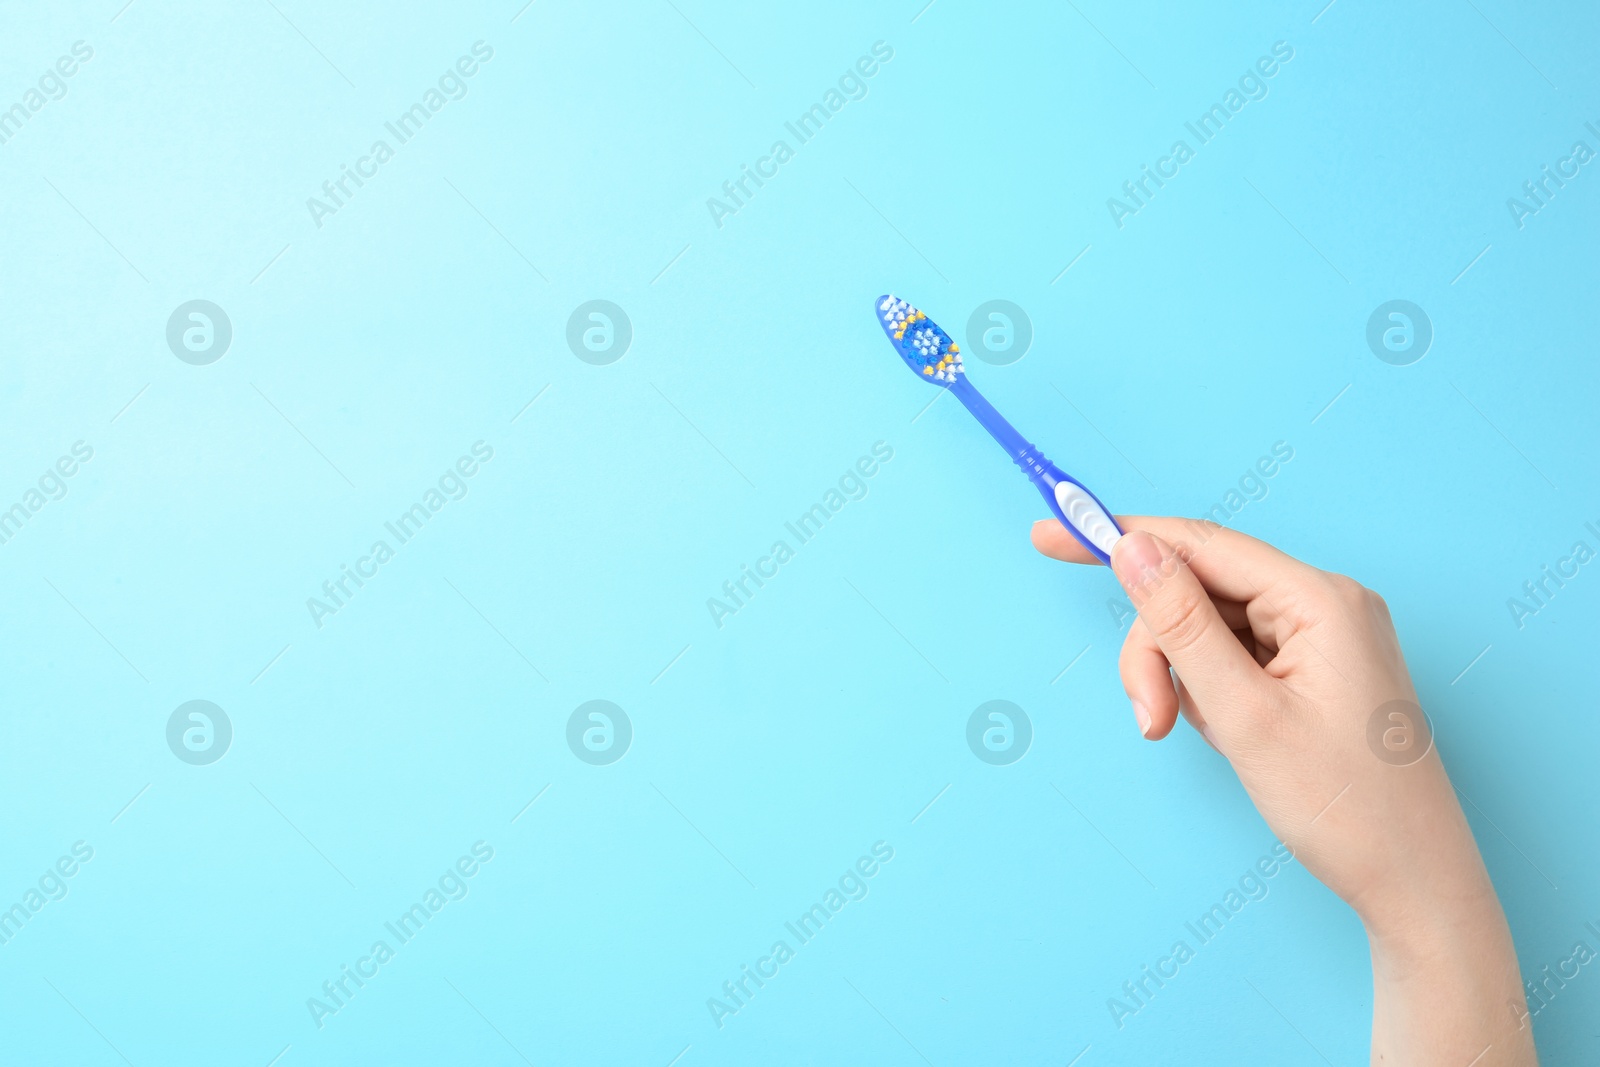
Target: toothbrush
x=936, y=359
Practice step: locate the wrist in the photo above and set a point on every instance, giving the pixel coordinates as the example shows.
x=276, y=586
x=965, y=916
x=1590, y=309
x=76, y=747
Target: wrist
x=1446, y=930
x=1430, y=892
x=1447, y=988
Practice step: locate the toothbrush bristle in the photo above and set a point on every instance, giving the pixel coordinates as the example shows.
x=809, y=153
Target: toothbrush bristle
x=926, y=349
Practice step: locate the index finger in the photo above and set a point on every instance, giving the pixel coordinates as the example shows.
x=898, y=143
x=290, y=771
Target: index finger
x=1230, y=564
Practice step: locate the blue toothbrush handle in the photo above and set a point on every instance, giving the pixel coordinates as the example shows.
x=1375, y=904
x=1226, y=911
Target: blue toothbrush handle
x=1079, y=510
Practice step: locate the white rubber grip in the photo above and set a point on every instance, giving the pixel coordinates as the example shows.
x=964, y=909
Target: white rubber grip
x=1090, y=519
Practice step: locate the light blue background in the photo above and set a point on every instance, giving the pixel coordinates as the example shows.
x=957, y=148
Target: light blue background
x=768, y=755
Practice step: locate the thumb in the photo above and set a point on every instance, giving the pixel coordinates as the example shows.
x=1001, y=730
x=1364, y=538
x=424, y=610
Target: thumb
x=1179, y=613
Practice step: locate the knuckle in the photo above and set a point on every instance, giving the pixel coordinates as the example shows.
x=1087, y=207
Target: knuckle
x=1344, y=585
x=1181, y=620
x=1345, y=589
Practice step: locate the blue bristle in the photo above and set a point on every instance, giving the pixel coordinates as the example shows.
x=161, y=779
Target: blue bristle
x=924, y=347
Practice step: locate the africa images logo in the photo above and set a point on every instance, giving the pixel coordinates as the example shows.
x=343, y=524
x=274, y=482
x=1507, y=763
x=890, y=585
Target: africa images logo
x=1252, y=85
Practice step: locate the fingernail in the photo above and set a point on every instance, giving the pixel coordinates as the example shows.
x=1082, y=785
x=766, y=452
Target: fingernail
x=1134, y=553
x=1205, y=732
x=1142, y=713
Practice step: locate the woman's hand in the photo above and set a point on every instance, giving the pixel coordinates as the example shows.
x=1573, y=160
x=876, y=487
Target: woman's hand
x=1295, y=675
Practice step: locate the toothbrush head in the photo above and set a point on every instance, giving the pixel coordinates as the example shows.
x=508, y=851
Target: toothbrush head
x=926, y=349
